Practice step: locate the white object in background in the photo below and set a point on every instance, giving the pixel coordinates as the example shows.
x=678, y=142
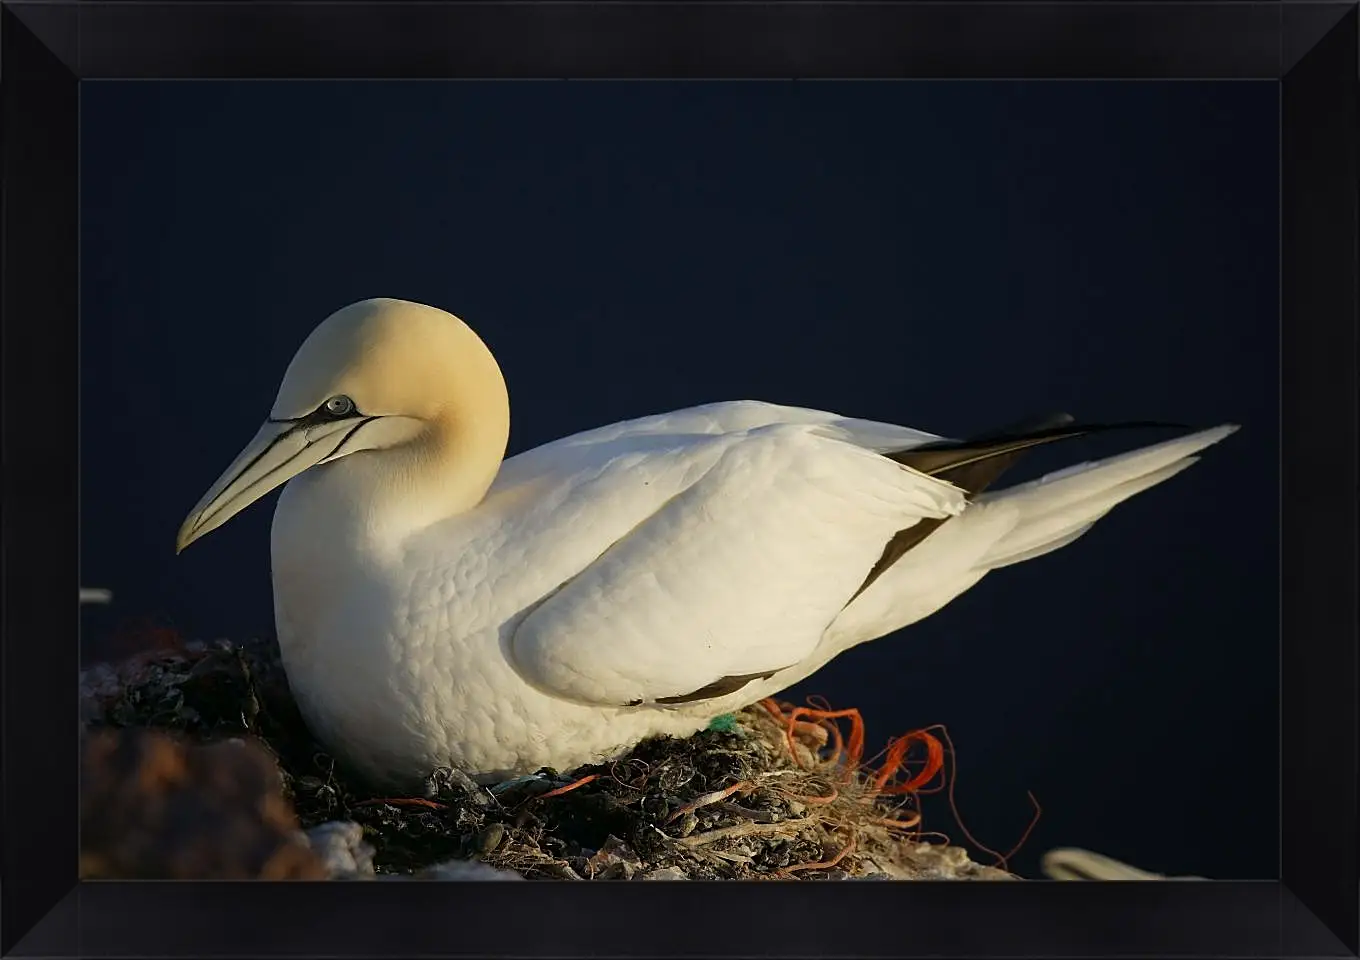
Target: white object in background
x=95, y=595
x=1071, y=863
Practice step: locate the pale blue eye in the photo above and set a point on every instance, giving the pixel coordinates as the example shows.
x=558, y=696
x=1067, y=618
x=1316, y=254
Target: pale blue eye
x=339, y=406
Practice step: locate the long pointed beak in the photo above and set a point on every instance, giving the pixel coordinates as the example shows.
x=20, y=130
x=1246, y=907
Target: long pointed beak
x=279, y=452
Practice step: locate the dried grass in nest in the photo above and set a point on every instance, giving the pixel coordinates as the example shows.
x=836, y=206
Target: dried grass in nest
x=779, y=792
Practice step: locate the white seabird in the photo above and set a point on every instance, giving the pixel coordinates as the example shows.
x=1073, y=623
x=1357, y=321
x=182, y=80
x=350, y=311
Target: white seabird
x=438, y=605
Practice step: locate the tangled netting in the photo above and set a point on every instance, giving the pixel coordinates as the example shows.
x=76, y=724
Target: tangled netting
x=775, y=792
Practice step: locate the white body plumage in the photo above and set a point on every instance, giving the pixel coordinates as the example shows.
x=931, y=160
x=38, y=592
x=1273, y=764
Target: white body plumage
x=636, y=561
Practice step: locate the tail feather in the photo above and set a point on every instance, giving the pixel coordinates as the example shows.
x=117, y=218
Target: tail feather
x=1043, y=532
x=974, y=464
x=1054, y=507
x=1038, y=550
x=1004, y=527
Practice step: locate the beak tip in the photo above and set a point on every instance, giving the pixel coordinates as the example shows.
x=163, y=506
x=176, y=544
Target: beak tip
x=278, y=452
x=184, y=537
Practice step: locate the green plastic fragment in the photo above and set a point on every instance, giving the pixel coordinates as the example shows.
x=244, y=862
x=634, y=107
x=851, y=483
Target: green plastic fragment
x=724, y=723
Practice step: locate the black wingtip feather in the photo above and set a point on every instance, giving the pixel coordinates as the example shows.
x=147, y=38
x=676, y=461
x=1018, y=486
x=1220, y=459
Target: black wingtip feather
x=976, y=463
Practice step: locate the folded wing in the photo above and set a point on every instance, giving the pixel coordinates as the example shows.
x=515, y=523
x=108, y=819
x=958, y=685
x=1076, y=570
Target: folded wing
x=735, y=575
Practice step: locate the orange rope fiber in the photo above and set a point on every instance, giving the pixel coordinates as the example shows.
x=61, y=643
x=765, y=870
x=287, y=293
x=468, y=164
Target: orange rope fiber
x=849, y=756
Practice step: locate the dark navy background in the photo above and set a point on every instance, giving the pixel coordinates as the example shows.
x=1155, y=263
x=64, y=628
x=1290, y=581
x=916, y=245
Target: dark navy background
x=951, y=256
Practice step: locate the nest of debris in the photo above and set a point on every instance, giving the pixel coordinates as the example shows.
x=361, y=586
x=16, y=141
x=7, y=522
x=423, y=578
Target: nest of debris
x=772, y=792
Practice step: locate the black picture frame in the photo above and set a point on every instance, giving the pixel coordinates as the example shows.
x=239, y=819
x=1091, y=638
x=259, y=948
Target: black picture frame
x=48, y=46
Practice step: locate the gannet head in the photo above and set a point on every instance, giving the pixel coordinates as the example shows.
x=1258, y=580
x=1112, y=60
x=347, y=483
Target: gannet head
x=376, y=375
